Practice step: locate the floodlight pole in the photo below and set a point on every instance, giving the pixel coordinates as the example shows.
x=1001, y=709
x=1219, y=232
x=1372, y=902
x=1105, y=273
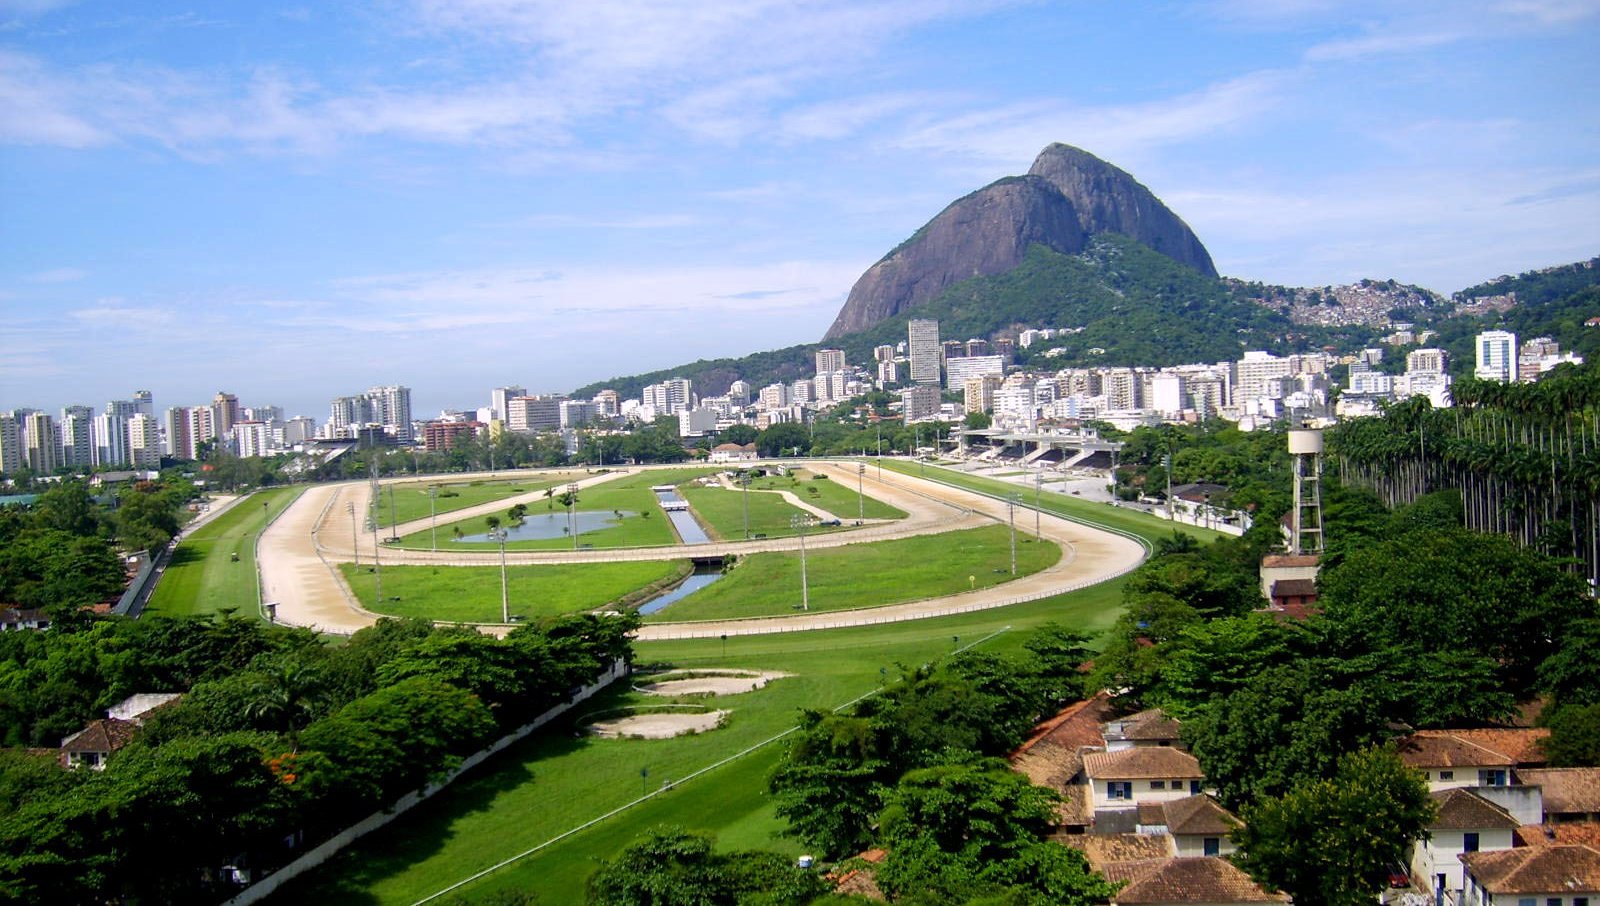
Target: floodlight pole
x=355, y=545
x=433, y=515
x=394, y=521
x=744, y=482
x=377, y=567
x=1038, y=485
x=572, y=513
x=1011, y=517
x=505, y=598
x=800, y=524
x=861, y=492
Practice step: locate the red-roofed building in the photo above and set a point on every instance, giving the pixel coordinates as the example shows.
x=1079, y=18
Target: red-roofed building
x=1543, y=876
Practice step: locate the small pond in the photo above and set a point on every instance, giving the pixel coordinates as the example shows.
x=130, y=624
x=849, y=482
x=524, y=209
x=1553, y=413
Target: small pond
x=543, y=526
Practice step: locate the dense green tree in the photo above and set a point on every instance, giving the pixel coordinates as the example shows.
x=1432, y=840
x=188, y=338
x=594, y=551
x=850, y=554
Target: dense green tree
x=784, y=439
x=1331, y=842
x=1574, y=739
x=674, y=867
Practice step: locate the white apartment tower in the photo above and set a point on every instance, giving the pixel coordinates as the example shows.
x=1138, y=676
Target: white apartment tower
x=1497, y=356
x=500, y=397
x=830, y=360
x=77, y=450
x=922, y=339
x=391, y=408
x=144, y=441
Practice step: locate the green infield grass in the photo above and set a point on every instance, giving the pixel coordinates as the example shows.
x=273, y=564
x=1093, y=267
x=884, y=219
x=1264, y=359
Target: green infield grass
x=865, y=575
x=203, y=576
x=648, y=525
x=471, y=594
x=410, y=498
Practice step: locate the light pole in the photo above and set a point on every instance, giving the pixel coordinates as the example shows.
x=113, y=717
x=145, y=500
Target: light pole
x=800, y=524
x=744, y=482
x=433, y=515
x=572, y=513
x=1011, y=517
x=377, y=567
x=861, y=493
x=355, y=546
x=499, y=535
x=1038, y=485
x=394, y=521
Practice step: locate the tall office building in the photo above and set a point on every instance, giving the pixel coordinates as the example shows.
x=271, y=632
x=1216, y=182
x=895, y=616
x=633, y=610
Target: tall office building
x=923, y=343
x=500, y=397
x=920, y=402
x=532, y=414
x=144, y=403
x=77, y=450
x=144, y=441
x=1497, y=356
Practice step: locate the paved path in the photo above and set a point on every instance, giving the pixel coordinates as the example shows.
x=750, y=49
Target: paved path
x=298, y=553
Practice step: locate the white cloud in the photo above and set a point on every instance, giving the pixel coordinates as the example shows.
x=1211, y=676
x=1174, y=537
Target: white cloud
x=1012, y=133
x=1378, y=43
x=58, y=275
x=1552, y=12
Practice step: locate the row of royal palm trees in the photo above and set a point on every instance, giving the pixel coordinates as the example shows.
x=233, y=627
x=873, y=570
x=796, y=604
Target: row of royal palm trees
x=1526, y=458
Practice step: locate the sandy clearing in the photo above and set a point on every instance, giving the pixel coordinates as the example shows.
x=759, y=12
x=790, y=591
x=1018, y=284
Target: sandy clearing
x=738, y=681
x=657, y=725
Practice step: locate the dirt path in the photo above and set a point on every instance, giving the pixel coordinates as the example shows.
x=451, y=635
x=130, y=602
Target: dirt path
x=298, y=554
x=789, y=497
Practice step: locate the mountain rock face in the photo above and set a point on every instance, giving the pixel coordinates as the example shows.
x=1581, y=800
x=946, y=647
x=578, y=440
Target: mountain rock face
x=1067, y=196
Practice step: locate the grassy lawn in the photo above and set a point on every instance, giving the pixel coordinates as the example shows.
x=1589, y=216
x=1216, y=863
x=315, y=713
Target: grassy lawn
x=202, y=577
x=411, y=498
x=628, y=494
x=721, y=512
x=556, y=781
x=838, y=498
x=865, y=575
x=471, y=594
x=1145, y=526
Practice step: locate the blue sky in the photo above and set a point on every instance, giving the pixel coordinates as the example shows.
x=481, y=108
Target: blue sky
x=293, y=202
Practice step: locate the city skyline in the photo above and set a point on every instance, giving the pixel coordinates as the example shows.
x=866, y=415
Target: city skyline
x=284, y=200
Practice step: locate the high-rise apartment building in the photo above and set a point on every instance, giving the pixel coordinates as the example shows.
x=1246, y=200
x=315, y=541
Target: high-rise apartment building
x=922, y=339
x=41, y=443
x=608, y=405
x=959, y=371
x=144, y=403
x=77, y=449
x=979, y=392
x=298, y=430
x=1431, y=361
x=392, y=406
x=10, y=444
x=532, y=414
x=224, y=413
x=108, y=432
x=1254, y=372
x=144, y=441
x=921, y=402
x=830, y=360
x=253, y=438
x=500, y=398
x=1496, y=356
x=884, y=353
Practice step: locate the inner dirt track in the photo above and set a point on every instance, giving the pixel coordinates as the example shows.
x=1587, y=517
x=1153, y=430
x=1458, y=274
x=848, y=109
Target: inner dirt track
x=298, y=554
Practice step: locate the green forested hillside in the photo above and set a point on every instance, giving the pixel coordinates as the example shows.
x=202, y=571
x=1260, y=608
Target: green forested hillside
x=1540, y=286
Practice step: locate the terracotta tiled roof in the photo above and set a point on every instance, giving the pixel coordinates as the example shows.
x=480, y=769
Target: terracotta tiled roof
x=1194, y=880
x=860, y=881
x=1074, y=808
x=1584, y=832
x=1143, y=763
x=1566, y=790
x=1289, y=560
x=1440, y=749
x=1052, y=756
x=1542, y=869
x=1461, y=810
x=1520, y=744
x=1198, y=815
x=105, y=735
x=1297, y=588
x=1152, y=724
x=1116, y=849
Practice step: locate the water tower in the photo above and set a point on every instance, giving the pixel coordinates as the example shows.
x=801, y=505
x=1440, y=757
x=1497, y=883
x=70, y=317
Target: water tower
x=1305, y=535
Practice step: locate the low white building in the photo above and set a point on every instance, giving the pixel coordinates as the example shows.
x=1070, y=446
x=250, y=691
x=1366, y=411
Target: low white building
x=1137, y=776
x=1465, y=823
